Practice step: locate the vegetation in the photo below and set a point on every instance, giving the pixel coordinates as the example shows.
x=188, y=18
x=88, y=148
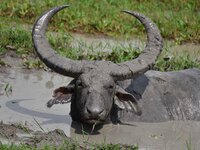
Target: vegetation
x=177, y=19
x=69, y=146
x=177, y=63
x=18, y=39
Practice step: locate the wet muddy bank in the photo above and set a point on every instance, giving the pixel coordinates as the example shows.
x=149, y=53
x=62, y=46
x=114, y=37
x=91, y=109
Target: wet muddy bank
x=15, y=134
x=170, y=135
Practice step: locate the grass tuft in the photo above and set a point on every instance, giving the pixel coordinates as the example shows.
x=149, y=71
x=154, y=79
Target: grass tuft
x=68, y=146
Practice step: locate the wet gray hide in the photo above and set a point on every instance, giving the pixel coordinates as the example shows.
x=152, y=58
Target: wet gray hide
x=164, y=96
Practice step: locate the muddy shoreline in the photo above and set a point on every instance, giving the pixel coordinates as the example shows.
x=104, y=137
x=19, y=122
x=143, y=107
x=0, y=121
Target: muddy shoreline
x=13, y=133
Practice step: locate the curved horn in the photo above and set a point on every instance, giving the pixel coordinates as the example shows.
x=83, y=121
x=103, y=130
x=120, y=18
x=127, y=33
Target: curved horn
x=49, y=56
x=147, y=58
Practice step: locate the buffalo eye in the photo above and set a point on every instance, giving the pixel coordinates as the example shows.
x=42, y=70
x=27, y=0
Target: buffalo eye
x=109, y=87
x=79, y=84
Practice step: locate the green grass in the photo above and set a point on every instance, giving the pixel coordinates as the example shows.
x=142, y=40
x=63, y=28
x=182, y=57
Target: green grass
x=117, y=53
x=15, y=37
x=18, y=39
x=14, y=147
x=8, y=88
x=69, y=146
x=177, y=63
x=2, y=63
x=177, y=19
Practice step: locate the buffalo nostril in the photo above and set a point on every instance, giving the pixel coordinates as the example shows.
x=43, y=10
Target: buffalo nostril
x=95, y=112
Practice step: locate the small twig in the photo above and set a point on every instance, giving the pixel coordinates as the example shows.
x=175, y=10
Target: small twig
x=38, y=124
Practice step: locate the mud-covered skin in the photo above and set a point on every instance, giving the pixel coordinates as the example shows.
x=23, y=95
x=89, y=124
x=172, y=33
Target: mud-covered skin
x=165, y=96
x=99, y=95
x=94, y=90
x=93, y=97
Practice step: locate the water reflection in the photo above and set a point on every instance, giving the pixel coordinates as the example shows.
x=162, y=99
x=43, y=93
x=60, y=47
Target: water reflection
x=51, y=118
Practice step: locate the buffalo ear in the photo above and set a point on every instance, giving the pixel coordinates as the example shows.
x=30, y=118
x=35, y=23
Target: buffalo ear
x=125, y=100
x=61, y=95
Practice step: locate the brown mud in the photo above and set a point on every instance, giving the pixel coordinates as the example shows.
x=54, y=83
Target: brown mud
x=16, y=134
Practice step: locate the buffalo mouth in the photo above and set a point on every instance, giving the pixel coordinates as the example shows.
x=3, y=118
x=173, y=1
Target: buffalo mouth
x=98, y=117
x=93, y=121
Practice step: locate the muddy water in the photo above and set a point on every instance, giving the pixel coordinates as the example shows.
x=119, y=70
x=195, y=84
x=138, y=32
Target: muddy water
x=152, y=136
x=26, y=106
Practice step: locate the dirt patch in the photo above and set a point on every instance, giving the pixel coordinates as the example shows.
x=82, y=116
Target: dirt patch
x=10, y=59
x=14, y=132
x=8, y=131
x=55, y=138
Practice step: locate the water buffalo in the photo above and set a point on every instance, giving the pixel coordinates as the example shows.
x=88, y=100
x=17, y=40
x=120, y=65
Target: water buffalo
x=98, y=88
x=165, y=96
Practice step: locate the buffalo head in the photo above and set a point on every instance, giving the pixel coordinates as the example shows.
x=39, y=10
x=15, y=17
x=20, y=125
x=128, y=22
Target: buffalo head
x=94, y=90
